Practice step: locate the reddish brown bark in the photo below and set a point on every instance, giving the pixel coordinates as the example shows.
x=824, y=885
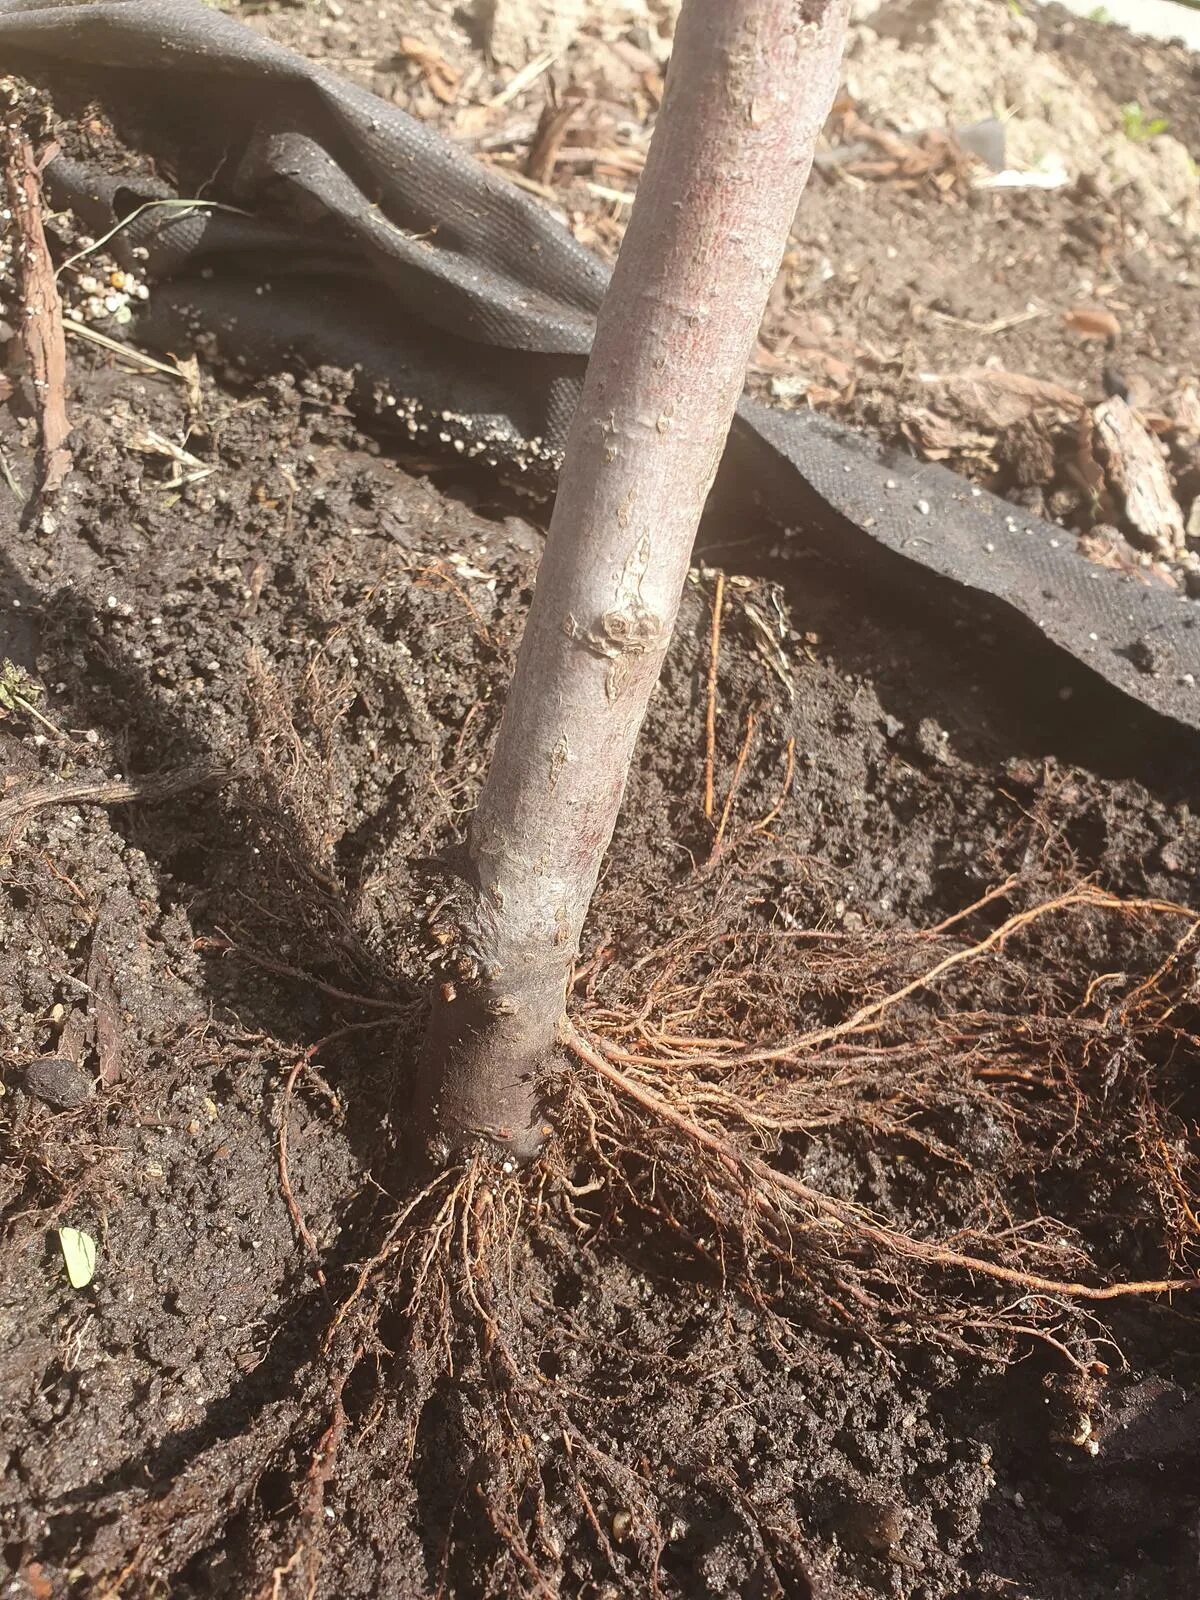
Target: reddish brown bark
x=749, y=87
x=41, y=320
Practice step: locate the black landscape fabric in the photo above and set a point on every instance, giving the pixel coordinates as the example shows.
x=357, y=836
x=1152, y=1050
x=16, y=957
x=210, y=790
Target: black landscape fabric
x=465, y=306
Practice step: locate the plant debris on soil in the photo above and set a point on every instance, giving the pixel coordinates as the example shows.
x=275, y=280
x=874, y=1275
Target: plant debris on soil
x=877, y=1123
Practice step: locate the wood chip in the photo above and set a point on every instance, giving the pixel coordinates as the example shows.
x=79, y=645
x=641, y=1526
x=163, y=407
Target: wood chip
x=1090, y=323
x=1137, y=472
x=39, y=307
x=1184, y=409
x=938, y=438
x=991, y=398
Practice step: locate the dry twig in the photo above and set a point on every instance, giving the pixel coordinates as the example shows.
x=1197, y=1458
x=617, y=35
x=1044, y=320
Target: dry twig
x=41, y=319
x=20, y=807
x=710, y=716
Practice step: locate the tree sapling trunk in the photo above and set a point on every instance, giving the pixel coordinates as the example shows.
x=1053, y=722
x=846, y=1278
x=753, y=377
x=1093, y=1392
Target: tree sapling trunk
x=749, y=86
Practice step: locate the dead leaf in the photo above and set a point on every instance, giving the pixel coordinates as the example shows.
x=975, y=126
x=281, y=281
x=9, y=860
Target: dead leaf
x=36, y=1581
x=1133, y=461
x=189, y=371
x=547, y=140
x=933, y=156
x=808, y=356
x=79, y=1256
x=1108, y=547
x=653, y=84
x=1090, y=323
x=185, y=467
x=434, y=69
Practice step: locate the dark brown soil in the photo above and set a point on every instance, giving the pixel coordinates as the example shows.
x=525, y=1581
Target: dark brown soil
x=321, y=629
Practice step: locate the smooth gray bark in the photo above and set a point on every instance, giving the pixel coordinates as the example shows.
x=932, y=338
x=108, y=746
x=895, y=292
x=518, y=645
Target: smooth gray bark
x=749, y=86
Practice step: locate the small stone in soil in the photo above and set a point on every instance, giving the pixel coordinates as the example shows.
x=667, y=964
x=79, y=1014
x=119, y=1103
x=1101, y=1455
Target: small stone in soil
x=870, y=1526
x=931, y=742
x=59, y=1082
x=1146, y=656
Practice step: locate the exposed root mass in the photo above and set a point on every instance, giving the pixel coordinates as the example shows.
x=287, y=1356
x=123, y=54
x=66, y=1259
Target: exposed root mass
x=667, y=1118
